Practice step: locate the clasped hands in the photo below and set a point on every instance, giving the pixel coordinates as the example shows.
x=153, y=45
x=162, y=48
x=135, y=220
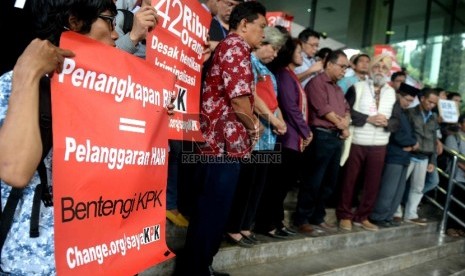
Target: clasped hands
x=378, y=120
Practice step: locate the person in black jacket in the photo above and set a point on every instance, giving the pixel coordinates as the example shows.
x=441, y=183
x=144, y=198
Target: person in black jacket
x=401, y=142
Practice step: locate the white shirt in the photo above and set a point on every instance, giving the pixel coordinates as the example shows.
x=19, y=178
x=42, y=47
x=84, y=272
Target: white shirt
x=307, y=63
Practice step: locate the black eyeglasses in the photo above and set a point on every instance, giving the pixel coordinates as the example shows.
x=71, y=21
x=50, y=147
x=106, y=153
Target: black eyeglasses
x=111, y=20
x=343, y=66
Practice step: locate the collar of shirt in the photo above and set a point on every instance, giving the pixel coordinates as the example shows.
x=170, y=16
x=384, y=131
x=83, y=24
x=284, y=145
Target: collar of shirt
x=241, y=38
x=305, y=56
x=426, y=115
x=327, y=79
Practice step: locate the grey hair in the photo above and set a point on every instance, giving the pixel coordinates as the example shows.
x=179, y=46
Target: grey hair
x=274, y=37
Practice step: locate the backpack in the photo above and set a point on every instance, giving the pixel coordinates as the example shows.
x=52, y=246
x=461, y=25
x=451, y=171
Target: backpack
x=128, y=20
x=42, y=191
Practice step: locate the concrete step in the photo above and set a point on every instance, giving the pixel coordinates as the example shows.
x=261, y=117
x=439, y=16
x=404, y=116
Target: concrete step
x=450, y=265
x=370, y=259
x=271, y=250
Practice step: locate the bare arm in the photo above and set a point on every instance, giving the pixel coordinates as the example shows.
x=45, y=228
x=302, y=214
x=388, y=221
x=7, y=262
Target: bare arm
x=20, y=142
x=337, y=120
x=243, y=109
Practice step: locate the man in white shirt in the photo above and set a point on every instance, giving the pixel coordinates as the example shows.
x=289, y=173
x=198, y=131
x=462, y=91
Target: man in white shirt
x=310, y=66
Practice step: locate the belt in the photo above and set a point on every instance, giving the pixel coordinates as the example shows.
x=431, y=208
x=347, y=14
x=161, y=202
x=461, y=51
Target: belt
x=327, y=130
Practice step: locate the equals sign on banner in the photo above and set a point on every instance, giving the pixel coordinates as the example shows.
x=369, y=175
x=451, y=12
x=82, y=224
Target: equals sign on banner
x=131, y=125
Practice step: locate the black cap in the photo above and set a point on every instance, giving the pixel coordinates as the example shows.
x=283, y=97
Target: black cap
x=408, y=89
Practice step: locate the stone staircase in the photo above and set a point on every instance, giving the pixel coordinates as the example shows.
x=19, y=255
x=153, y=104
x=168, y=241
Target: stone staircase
x=405, y=250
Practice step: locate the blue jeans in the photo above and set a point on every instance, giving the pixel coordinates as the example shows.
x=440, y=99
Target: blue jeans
x=432, y=181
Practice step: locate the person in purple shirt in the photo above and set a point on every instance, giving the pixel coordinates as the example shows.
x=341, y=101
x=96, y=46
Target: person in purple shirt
x=329, y=116
x=293, y=104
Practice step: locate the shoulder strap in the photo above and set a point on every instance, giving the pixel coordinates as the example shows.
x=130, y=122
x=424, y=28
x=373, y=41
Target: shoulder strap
x=128, y=20
x=42, y=190
x=8, y=214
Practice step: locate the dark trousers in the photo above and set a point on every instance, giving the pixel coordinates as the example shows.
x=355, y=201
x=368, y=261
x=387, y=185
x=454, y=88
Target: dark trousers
x=187, y=184
x=249, y=190
x=282, y=177
x=174, y=159
x=321, y=162
x=214, y=196
x=367, y=161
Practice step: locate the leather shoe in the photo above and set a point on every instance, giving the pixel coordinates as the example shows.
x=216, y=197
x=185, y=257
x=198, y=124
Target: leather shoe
x=305, y=229
x=242, y=242
x=327, y=226
x=397, y=219
x=345, y=224
x=382, y=223
x=288, y=231
x=252, y=238
x=367, y=225
x=216, y=273
x=417, y=221
x=277, y=234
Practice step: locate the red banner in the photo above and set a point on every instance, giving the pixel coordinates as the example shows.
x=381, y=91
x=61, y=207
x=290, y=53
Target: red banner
x=109, y=166
x=280, y=19
x=176, y=46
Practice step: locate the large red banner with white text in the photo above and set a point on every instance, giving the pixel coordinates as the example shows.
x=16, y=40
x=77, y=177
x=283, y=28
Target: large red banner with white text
x=109, y=161
x=176, y=46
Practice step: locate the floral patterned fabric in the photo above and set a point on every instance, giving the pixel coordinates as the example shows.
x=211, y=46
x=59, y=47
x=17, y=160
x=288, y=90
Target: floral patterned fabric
x=229, y=76
x=22, y=255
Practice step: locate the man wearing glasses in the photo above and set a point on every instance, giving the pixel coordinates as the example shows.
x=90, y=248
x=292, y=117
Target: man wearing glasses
x=329, y=116
x=219, y=26
x=310, y=42
x=402, y=143
x=372, y=102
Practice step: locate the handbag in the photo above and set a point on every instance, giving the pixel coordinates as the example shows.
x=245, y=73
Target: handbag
x=265, y=90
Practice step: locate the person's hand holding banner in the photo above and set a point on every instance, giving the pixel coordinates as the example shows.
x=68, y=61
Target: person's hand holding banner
x=177, y=46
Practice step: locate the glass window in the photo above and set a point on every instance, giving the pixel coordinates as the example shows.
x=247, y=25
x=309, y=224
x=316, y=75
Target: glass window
x=408, y=20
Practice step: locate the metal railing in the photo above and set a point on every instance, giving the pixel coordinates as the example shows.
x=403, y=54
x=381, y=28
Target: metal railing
x=454, y=158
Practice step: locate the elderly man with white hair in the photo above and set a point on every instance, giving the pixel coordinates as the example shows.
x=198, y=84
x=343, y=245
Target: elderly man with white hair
x=371, y=104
